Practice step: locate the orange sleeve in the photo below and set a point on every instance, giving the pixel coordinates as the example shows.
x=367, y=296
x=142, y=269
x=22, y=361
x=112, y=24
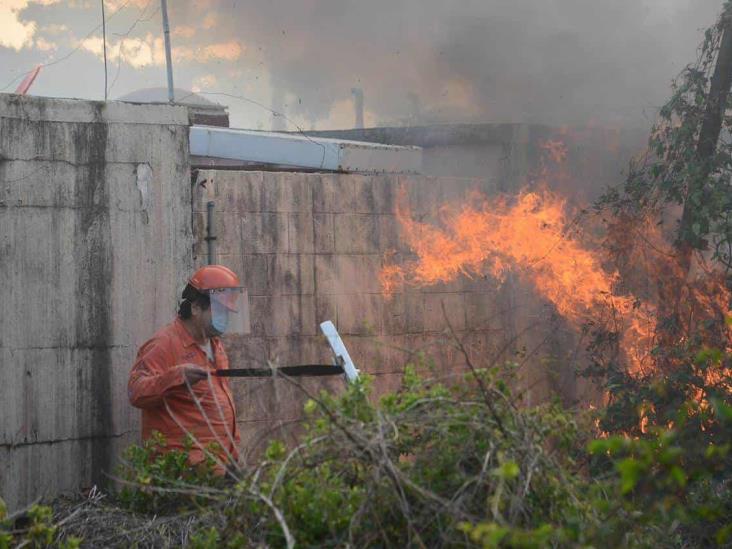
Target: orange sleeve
x=152, y=375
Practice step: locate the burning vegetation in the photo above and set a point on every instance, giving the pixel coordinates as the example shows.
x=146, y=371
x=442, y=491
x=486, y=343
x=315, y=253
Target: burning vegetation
x=622, y=283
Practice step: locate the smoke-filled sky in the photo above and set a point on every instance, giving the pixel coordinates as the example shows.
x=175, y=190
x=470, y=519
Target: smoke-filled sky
x=605, y=62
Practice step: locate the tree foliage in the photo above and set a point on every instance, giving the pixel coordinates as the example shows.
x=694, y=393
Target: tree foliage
x=674, y=173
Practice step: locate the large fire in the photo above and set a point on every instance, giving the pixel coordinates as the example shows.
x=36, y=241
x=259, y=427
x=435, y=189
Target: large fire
x=531, y=234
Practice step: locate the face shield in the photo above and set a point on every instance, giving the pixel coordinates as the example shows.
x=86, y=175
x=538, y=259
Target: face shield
x=229, y=311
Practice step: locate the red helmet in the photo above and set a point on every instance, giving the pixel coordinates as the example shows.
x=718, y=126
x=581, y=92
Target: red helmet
x=214, y=277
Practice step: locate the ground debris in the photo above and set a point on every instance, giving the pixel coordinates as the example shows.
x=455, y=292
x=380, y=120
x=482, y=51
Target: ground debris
x=101, y=522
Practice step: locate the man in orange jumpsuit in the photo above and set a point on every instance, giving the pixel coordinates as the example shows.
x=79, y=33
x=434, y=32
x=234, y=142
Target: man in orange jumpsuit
x=172, y=381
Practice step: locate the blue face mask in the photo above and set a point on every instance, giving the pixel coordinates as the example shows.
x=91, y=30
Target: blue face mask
x=219, y=317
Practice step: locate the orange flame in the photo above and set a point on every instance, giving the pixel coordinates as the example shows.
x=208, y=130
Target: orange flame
x=531, y=236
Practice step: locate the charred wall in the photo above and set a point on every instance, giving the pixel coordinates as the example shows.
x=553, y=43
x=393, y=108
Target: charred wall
x=95, y=240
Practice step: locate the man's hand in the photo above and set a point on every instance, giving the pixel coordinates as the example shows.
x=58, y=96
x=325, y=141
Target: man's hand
x=193, y=374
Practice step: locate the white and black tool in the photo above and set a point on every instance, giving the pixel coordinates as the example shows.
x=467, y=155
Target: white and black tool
x=343, y=363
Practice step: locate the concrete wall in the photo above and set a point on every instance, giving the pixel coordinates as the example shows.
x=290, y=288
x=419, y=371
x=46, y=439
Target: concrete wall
x=310, y=248
x=95, y=243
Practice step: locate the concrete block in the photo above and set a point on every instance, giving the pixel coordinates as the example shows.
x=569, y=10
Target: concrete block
x=358, y=273
x=276, y=316
x=351, y=193
x=356, y=233
x=231, y=191
x=360, y=314
x=347, y=274
x=291, y=351
x=391, y=238
x=395, y=314
x=365, y=193
x=482, y=311
x=327, y=279
x=323, y=233
x=414, y=312
x=291, y=274
x=422, y=195
x=385, y=189
x=253, y=269
x=294, y=191
x=330, y=195
x=326, y=308
x=246, y=351
x=258, y=192
x=244, y=192
x=301, y=233
x=434, y=315
x=264, y=233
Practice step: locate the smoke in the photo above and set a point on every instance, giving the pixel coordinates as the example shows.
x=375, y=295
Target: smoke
x=561, y=61
x=417, y=61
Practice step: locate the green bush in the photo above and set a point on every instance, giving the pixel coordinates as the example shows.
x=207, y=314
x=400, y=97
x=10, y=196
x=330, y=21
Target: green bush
x=156, y=479
x=33, y=528
x=424, y=466
x=466, y=465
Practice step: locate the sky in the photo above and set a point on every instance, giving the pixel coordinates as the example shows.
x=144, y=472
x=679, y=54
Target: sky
x=558, y=62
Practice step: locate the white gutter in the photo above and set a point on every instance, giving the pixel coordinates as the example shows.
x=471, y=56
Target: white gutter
x=302, y=151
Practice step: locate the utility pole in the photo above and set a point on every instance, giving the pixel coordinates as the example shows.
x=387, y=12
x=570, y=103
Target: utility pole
x=104, y=48
x=168, y=57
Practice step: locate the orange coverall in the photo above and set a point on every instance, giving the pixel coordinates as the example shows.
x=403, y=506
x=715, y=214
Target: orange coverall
x=158, y=387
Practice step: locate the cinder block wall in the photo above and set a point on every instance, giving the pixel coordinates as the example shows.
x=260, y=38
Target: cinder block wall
x=95, y=242
x=310, y=248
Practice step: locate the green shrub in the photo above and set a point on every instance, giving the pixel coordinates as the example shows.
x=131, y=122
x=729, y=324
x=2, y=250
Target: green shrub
x=32, y=528
x=434, y=465
x=157, y=479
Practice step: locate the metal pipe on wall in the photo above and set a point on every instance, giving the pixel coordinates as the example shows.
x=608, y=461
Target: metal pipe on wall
x=210, y=237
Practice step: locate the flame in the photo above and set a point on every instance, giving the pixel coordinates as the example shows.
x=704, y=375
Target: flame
x=533, y=235
x=530, y=235
x=556, y=150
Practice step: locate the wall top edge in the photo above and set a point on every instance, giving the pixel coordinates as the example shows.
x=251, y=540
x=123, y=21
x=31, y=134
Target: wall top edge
x=51, y=109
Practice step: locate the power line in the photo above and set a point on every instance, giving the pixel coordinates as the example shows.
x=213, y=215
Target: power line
x=300, y=130
x=143, y=17
x=65, y=57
